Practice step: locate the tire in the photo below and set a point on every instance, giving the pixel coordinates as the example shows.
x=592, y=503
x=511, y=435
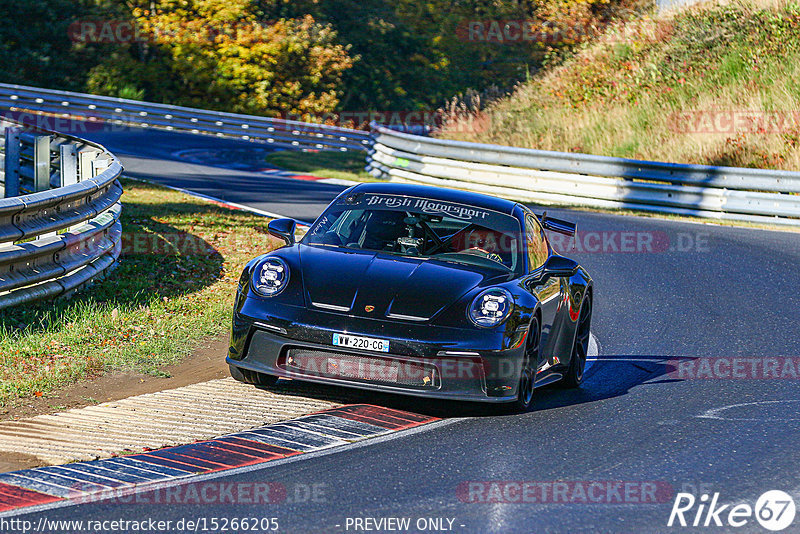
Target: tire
x=573, y=378
x=527, y=375
x=252, y=377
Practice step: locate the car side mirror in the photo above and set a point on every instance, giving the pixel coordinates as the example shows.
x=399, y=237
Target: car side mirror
x=283, y=229
x=559, y=266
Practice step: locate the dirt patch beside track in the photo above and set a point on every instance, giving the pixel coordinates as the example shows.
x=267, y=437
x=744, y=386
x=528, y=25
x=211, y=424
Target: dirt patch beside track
x=205, y=363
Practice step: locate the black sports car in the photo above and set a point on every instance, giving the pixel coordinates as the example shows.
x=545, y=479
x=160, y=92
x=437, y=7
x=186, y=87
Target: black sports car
x=416, y=290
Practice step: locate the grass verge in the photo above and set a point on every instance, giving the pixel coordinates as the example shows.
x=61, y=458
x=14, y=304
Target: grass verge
x=174, y=288
x=326, y=164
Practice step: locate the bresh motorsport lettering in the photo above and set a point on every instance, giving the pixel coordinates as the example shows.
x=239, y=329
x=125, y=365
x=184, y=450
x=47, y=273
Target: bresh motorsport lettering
x=431, y=207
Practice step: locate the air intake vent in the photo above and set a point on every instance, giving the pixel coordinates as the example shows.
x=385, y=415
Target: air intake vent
x=331, y=364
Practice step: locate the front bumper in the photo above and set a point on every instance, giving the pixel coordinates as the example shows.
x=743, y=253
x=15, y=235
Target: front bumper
x=426, y=361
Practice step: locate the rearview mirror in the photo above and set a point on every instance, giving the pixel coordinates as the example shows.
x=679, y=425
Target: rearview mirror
x=283, y=229
x=559, y=266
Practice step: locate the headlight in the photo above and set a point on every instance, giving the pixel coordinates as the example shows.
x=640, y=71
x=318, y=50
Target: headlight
x=271, y=277
x=491, y=307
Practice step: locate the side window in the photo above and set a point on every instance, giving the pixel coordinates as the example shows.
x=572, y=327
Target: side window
x=535, y=243
x=347, y=225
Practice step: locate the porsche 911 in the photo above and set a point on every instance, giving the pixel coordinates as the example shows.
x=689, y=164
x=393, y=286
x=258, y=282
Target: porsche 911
x=420, y=291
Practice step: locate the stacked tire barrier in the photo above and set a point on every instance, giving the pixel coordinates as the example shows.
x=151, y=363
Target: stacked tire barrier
x=753, y=195
x=116, y=112
x=59, y=214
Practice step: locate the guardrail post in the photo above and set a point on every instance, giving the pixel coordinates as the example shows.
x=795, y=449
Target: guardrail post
x=69, y=164
x=99, y=165
x=12, y=162
x=85, y=158
x=41, y=163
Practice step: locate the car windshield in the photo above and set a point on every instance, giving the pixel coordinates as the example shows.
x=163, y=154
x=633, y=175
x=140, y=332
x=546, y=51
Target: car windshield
x=421, y=227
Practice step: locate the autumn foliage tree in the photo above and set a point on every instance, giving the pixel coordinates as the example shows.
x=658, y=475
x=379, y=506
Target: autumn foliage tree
x=216, y=54
x=299, y=57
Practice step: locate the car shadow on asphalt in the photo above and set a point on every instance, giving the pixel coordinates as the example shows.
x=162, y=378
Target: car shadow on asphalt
x=607, y=377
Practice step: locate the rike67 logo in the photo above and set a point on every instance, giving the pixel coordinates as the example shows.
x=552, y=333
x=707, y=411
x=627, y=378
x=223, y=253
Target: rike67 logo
x=774, y=510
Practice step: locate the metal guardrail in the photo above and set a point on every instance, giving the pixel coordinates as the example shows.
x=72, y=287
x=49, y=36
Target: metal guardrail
x=763, y=196
x=64, y=231
x=755, y=195
x=116, y=112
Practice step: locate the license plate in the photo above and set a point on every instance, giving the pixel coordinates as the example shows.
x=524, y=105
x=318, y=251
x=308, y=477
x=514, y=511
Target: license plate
x=358, y=342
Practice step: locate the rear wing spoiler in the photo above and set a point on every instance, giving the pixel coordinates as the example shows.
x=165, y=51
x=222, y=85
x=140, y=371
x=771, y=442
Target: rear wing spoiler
x=558, y=225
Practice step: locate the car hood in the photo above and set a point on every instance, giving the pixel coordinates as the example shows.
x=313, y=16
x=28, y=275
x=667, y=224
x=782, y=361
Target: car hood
x=378, y=285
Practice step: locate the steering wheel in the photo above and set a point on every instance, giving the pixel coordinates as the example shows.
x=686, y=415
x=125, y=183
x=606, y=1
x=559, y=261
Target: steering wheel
x=473, y=250
x=489, y=255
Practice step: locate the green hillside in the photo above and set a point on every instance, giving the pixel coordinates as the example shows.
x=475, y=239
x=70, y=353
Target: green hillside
x=714, y=84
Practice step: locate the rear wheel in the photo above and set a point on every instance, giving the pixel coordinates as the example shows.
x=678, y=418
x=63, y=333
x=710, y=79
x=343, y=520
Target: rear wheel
x=580, y=349
x=252, y=377
x=527, y=375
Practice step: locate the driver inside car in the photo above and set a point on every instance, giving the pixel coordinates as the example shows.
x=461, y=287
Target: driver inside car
x=484, y=241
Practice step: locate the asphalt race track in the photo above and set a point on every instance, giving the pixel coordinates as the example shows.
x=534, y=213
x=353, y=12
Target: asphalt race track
x=152, y=155
x=704, y=297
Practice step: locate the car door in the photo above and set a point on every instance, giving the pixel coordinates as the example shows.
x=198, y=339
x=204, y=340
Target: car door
x=547, y=291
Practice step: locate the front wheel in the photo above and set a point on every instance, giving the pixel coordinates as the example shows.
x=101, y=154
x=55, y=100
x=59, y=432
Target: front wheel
x=580, y=349
x=252, y=377
x=527, y=376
